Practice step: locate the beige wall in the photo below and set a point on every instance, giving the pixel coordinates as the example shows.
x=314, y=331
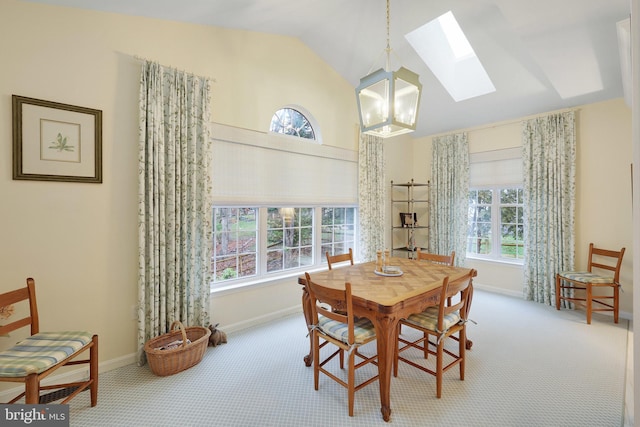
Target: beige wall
x=79, y=241
x=603, y=188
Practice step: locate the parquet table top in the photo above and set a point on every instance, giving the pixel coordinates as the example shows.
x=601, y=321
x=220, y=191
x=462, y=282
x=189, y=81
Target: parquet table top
x=417, y=278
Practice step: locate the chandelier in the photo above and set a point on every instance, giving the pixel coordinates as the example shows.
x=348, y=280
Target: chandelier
x=388, y=101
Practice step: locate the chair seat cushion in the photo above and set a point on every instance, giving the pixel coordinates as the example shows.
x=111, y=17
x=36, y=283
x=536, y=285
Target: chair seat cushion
x=586, y=277
x=428, y=319
x=363, y=329
x=41, y=351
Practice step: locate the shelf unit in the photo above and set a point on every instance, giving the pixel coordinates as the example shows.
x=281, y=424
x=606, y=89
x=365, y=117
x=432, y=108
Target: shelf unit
x=412, y=200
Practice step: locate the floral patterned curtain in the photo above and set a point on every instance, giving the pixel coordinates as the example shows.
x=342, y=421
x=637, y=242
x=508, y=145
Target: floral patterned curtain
x=371, y=196
x=449, y=202
x=549, y=166
x=175, y=201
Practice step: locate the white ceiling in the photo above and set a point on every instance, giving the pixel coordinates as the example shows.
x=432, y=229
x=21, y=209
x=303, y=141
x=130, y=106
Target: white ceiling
x=541, y=55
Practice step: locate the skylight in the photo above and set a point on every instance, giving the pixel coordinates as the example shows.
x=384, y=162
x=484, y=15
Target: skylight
x=445, y=49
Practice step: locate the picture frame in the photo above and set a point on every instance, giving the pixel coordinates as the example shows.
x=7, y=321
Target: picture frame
x=408, y=219
x=56, y=142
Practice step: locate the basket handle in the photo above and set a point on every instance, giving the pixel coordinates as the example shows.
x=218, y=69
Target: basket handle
x=184, y=332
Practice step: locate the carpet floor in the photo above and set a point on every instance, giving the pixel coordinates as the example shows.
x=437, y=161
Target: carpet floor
x=530, y=365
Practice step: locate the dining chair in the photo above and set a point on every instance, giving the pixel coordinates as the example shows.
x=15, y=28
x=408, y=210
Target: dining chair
x=41, y=354
x=567, y=282
x=333, y=259
x=440, y=322
x=436, y=258
x=342, y=330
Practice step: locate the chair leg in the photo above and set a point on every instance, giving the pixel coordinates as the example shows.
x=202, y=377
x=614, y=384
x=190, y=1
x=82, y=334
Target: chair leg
x=558, y=280
x=439, y=369
x=589, y=302
x=93, y=370
x=397, y=350
x=32, y=390
x=316, y=360
x=462, y=342
x=351, y=382
x=616, y=302
x=425, y=345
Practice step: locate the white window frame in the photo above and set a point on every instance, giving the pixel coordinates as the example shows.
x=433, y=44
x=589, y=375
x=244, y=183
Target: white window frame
x=496, y=222
x=319, y=258
x=495, y=170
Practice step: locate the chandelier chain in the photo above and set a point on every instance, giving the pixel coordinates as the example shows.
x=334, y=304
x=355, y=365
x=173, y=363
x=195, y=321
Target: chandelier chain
x=388, y=26
x=388, y=49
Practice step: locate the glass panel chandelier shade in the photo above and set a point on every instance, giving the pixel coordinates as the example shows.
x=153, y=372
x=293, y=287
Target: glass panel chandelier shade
x=388, y=102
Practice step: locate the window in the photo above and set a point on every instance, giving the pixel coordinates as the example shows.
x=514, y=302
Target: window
x=292, y=122
x=235, y=237
x=289, y=238
x=338, y=230
x=496, y=227
x=245, y=250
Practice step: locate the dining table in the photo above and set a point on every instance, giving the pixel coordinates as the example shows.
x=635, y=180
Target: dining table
x=384, y=300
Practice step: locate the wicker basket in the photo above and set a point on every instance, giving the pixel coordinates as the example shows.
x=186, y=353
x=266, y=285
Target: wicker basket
x=172, y=361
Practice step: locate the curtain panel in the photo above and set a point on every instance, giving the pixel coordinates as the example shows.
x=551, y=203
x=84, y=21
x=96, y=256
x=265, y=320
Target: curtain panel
x=175, y=216
x=549, y=165
x=371, y=196
x=449, y=198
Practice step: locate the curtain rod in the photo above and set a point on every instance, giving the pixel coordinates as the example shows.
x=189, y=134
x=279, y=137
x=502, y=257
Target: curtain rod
x=141, y=59
x=506, y=122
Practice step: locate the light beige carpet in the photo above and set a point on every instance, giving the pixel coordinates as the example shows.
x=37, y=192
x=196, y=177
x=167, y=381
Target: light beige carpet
x=530, y=366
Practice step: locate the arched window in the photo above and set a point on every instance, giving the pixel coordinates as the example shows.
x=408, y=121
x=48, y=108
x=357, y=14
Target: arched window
x=290, y=121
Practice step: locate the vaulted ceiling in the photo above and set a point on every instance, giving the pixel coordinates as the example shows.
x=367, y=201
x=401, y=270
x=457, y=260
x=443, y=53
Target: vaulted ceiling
x=541, y=55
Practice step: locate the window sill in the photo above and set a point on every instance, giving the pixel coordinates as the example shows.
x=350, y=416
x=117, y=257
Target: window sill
x=261, y=282
x=496, y=261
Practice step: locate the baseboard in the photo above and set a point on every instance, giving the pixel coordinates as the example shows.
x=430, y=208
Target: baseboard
x=622, y=314
x=256, y=321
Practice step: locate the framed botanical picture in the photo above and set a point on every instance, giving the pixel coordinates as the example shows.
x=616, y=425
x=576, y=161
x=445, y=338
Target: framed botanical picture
x=56, y=142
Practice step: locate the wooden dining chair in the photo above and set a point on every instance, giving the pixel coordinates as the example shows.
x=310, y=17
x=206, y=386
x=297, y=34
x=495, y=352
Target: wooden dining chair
x=342, y=330
x=41, y=354
x=436, y=258
x=334, y=259
x=603, y=261
x=440, y=323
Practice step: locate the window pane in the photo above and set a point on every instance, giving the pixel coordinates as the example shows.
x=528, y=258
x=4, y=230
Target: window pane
x=508, y=214
x=287, y=235
x=292, y=122
x=235, y=242
x=485, y=196
x=338, y=230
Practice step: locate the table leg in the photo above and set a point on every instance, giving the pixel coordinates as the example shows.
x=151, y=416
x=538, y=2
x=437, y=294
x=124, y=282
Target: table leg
x=306, y=309
x=386, y=340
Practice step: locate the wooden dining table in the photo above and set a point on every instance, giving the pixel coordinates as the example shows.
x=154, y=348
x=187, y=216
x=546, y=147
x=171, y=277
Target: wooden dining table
x=385, y=300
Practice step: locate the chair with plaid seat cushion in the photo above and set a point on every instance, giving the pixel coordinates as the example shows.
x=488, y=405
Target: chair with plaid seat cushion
x=42, y=353
x=606, y=275
x=341, y=329
x=441, y=322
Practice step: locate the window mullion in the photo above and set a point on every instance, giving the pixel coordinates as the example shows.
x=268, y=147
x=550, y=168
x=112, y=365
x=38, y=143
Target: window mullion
x=495, y=223
x=262, y=239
